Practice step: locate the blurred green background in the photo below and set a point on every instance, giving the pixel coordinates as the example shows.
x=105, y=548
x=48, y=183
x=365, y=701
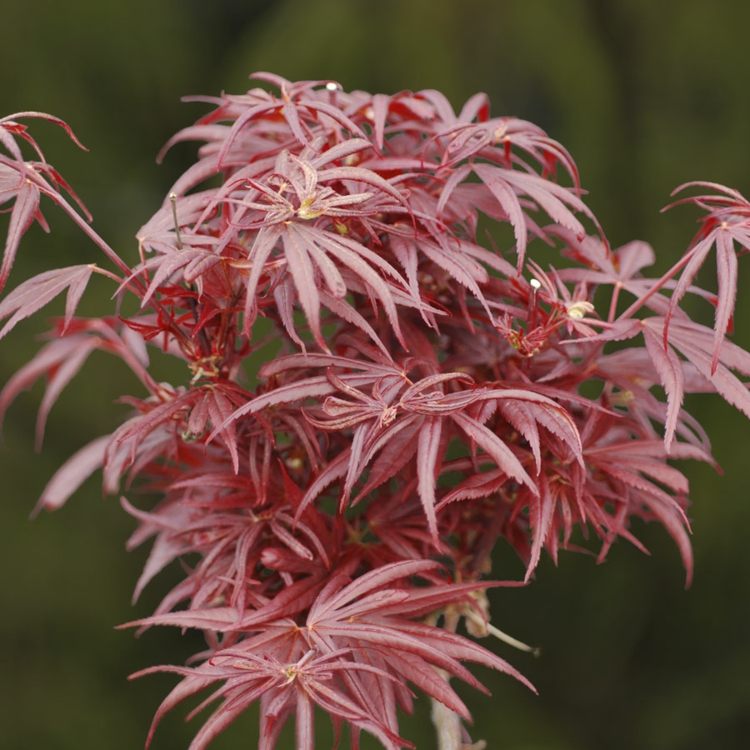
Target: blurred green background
x=645, y=94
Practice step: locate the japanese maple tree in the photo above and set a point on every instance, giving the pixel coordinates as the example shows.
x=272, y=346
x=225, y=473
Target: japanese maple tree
x=335, y=506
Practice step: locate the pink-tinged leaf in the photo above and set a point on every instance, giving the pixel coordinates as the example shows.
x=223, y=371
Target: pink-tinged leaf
x=263, y=245
x=10, y=179
x=541, y=512
x=552, y=198
x=428, y=680
x=286, y=394
x=220, y=409
x=455, y=178
x=463, y=649
x=380, y=106
x=369, y=582
x=289, y=110
x=405, y=252
x=634, y=257
x=21, y=218
x=476, y=486
x=167, y=265
x=493, y=260
x=134, y=435
x=343, y=310
x=428, y=447
x=398, y=448
x=184, y=689
x=336, y=115
x=359, y=174
x=313, y=359
x=727, y=221
x=361, y=434
x=427, y=342
x=733, y=390
x=475, y=107
x=291, y=600
x=358, y=258
x=674, y=523
x=336, y=469
x=199, y=417
x=508, y=200
x=395, y=639
x=331, y=275
x=62, y=375
x=46, y=359
x=337, y=704
x=731, y=355
x=288, y=602
x=166, y=549
x=299, y=265
x=669, y=369
x=274, y=712
x=60, y=123
x=522, y=421
x=284, y=297
x=648, y=449
x=212, y=727
x=374, y=603
x=72, y=474
x=35, y=293
x=462, y=268
x=443, y=108
x=242, y=121
x=340, y=151
x=662, y=473
x=695, y=259
x=695, y=346
x=726, y=272
x=495, y=448
x=7, y=171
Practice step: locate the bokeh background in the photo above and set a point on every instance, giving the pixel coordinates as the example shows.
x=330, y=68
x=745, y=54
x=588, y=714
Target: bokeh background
x=645, y=94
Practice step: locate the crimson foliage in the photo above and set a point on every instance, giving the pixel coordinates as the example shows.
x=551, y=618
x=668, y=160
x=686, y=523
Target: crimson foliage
x=430, y=398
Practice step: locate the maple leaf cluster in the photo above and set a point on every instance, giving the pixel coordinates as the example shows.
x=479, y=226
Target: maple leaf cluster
x=335, y=503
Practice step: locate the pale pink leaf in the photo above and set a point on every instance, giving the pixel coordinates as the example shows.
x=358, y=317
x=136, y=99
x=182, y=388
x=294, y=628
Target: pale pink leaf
x=36, y=292
x=21, y=218
x=428, y=445
x=72, y=474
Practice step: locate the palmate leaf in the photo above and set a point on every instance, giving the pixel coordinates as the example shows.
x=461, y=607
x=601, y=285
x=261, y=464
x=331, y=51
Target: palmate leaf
x=359, y=633
x=32, y=295
x=369, y=613
x=452, y=258
x=727, y=223
x=315, y=258
x=284, y=687
x=60, y=360
x=697, y=344
x=48, y=361
x=24, y=181
x=509, y=186
x=416, y=424
x=300, y=106
x=192, y=410
x=506, y=139
x=369, y=620
x=631, y=469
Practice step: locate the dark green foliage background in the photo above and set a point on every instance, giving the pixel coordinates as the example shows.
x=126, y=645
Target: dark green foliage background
x=645, y=94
